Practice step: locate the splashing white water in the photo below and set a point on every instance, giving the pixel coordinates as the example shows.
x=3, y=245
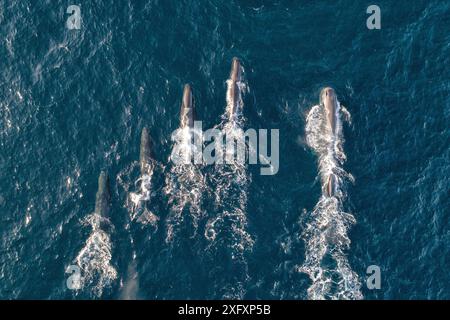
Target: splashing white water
x=136, y=204
x=94, y=259
x=185, y=184
x=140, y=199
x=227, y=230
x=232, y=181
x=243, y=88
x=326, y=229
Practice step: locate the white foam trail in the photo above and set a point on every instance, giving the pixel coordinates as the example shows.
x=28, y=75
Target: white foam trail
x=227, y=230
x=243, y=88
x=94, y=260
x=185, y=184
x=232, y=181
x=326, y=231
x=136, y=205
x=140, y=200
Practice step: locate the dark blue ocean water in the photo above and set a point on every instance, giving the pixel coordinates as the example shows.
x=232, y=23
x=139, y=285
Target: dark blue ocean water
x=74, y=103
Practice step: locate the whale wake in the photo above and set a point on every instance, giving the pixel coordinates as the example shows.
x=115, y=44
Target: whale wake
x=185, y=183
x=227, y=231
x=326, y=227
x=94, y=260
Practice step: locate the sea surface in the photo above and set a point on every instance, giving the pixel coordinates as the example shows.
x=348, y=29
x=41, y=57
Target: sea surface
x=74, y=102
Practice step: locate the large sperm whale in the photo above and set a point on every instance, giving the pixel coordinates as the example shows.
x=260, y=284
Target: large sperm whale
x=329, y=101
x=103, y=197
x=331, y=185
x=234, y=94
x=187, y=112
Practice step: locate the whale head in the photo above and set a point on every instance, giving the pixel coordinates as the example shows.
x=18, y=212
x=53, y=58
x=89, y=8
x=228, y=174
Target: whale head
x=327, y=96
x=328, y=100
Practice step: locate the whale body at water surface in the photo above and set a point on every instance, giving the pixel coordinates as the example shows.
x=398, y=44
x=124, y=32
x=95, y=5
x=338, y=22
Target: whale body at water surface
x=145, y=157
x=103, y=196
x=234, y=94
x=329, y=100
x=187, y=112
x=331, y=185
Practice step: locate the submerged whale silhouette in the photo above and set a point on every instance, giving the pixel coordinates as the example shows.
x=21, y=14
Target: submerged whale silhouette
x=145, y=157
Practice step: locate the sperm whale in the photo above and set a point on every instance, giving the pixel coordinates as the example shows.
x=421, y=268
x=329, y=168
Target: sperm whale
x=94, y=260
x=331, y=185
x=103, y=196
x=187, y=112
x=234, y=92
x=326, y=228
x=329, y=101
x=141, y=199
x=145, y=158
